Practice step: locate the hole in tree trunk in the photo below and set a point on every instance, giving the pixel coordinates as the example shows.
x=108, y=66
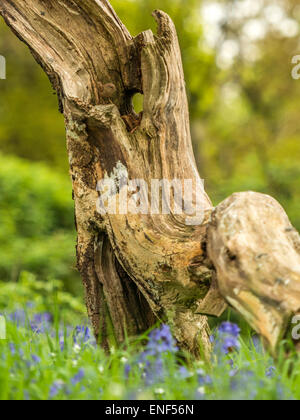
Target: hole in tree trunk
x=134, y=118
x=138, y=102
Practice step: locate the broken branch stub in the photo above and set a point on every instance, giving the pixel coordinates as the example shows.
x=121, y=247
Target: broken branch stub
x=256, y=252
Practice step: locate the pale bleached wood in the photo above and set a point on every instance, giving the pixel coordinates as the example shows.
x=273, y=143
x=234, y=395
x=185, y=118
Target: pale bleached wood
x=256, y=252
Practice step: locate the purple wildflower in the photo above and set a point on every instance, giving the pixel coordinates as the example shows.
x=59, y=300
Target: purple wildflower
x=233, y=373
x=184, y=373
x=56, y=388
x=18, y=317
x=43, y=318
x=229, y=328
x=161, y=341
x=257, y=343
x=231, y=363
x=41, y=322
x=227, y=339
x=12, y=348
x=82, y=335
x=270, y=372
x=36, y=359
x=203, y=378
x=151, y=360
x=230, y=344
x=61, y=344
x=154, y=371
x=127, y=371
x=78, y=377
x=35, y=328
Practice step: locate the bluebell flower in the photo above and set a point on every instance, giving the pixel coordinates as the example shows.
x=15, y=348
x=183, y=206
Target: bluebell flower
x=12, y=348
x=155, y=372
x=161, y=341
x=78, y=377
x=82, y=336
x=42, y=318
x=18, y=317
x=127, y=370
x=270, y=372
x=227, y=339
x=36, y=359
x=62, y=344
x=55, y=389
x=230, y=344
x=256, y=340
x=41, y=322
x=35, y=328
x=151, y=360
x=203, y=378
x=231, y=363
x=230, y=329
x=184, y=373
x=233, y=373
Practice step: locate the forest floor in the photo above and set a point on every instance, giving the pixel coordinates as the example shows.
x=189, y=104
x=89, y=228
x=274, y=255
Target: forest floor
x=43, y=358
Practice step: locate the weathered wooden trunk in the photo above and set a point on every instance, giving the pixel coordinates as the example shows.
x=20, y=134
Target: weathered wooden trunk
x=141, y=266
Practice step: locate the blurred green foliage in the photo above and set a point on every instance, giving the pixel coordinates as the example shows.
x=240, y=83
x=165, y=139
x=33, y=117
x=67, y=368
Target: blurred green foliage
x=36, y=214
x=30, y=125
x=244, y=120
x=43, y=297
x=251, y=138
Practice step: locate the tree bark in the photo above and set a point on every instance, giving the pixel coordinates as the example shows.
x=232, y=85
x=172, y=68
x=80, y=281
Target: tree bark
x=138, y=268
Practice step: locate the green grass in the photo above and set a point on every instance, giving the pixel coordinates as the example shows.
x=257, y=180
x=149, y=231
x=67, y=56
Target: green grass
x=33, y=365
